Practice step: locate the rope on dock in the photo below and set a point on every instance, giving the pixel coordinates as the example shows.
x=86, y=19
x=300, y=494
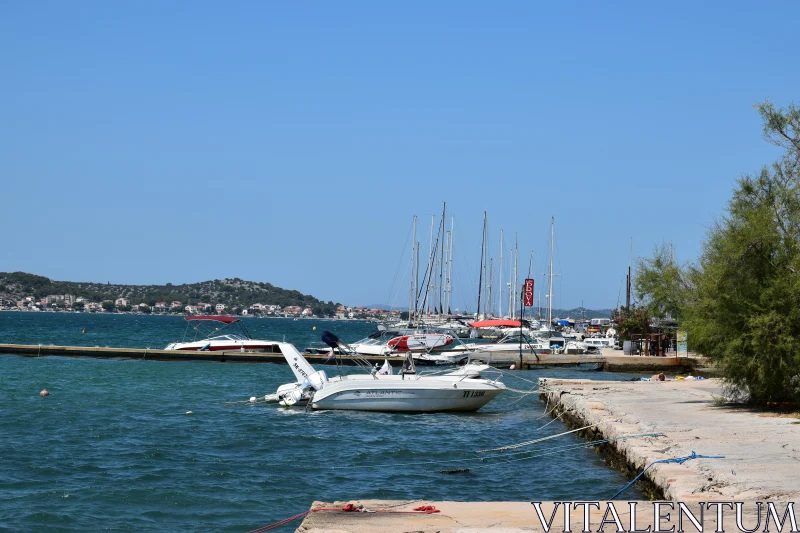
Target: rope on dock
x=348, y=508
x=678, y=460
x=279, y=523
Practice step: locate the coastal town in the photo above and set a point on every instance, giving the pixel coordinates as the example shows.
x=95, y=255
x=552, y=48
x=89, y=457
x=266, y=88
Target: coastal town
x=79, y=304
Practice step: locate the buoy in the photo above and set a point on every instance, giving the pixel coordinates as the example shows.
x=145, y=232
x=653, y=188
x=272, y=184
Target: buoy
x=512, y=367
x=252, y=399
x=314, y=328
x=188, y=412
x=44, y=393
x=84, y=331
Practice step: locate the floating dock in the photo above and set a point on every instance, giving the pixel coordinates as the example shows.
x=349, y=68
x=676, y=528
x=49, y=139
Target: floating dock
x=607, y=361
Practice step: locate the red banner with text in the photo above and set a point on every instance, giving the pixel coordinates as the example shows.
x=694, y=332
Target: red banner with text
x=527, y=293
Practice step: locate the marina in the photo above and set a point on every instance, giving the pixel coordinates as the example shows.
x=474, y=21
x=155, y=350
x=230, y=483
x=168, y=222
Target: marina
x=404, y=267
x=115, y=437
x=608, y=362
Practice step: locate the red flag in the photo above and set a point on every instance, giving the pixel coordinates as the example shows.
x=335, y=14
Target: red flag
x=527, y=293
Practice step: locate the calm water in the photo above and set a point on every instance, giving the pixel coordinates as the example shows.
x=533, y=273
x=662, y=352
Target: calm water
x=113, y=449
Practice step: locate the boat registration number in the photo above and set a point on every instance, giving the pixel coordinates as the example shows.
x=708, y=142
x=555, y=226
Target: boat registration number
x=473, y=393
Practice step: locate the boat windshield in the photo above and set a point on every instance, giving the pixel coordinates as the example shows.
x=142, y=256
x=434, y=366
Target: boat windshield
x=382, y=337
x=516, y=338
x=229, y=337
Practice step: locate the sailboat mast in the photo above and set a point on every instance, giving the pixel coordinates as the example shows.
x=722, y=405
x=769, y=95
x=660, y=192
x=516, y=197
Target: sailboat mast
x=489, y=296
x=441, y=260
x=450, y=263
x=516, y=267
x=550, y=294
x=411, y=297
x=480, y=272
x=500, y=282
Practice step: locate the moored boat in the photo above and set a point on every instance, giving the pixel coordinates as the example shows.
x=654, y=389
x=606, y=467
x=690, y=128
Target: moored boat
x=383, y=390
x=209, y=335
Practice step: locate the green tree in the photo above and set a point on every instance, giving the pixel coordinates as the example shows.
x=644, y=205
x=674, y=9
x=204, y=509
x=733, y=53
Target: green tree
x=78, y=306
x=745, y=309
x=107, y=305
x=661, y=284
x=740, y=303
x=631, y=321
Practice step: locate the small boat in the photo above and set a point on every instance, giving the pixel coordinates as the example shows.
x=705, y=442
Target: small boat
x=208, y=336
x=380, y=389
x=394, y=343
x=419, y=342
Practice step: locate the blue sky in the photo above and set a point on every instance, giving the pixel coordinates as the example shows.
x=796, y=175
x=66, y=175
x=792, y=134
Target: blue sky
x=152, y=142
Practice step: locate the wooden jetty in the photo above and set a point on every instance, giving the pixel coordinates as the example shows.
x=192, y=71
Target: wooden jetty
x=610, y=362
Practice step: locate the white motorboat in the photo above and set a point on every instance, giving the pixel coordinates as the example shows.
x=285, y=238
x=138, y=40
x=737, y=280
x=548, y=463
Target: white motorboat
x=512, y=343
x=381, y=390
x=392, y=342
x=209, y=336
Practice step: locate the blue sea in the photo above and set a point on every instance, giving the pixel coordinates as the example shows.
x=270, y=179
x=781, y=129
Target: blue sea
x=113, y=448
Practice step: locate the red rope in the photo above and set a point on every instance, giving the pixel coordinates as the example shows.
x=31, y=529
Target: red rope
x=276, y=524
x=349, y=508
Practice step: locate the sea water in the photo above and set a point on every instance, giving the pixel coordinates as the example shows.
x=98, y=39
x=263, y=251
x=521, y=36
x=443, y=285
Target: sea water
x=113, y=448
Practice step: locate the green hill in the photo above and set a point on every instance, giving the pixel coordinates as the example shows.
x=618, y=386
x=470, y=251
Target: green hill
x=234, y=293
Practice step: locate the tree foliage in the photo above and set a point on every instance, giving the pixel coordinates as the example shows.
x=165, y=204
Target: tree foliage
x=631, y=321
x=740, y=303
x=661, y=283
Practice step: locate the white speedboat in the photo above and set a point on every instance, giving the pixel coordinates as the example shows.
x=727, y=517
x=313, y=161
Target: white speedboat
x=208, y=335
x=391, y=342
x=381, y=390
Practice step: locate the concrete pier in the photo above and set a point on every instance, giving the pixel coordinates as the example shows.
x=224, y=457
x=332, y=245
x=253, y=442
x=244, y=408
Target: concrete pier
x=762, y=451
x=503, y=517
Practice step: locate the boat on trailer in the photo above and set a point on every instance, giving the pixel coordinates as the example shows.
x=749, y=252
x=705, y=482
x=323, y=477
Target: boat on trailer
x=380, y=389
x=209, y=333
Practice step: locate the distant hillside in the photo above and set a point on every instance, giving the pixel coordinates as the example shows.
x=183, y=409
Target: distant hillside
x=580, y=312
x=231, y=292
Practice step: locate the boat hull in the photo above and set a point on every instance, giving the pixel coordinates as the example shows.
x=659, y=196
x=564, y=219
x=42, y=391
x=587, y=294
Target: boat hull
x=225, y=346
x=412, y=396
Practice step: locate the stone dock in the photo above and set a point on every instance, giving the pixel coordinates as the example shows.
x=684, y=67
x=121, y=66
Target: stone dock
x=761, y=460
x=609, y=360
x=762, y=451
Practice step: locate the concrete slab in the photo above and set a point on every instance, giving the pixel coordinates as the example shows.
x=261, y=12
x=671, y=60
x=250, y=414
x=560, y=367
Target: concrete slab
x=513, y=517
x=762, y=453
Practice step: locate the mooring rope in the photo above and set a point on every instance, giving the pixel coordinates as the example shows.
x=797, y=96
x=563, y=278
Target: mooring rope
x=535, y=441
x=485, y=458
x=568, y=447
x=678, y=460
x=557, y=417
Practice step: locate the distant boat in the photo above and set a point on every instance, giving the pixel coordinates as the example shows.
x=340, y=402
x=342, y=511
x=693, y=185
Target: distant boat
x=211, y=338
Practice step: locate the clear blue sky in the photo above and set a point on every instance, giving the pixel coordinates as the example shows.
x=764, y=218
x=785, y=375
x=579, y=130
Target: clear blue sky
x=154, y=142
